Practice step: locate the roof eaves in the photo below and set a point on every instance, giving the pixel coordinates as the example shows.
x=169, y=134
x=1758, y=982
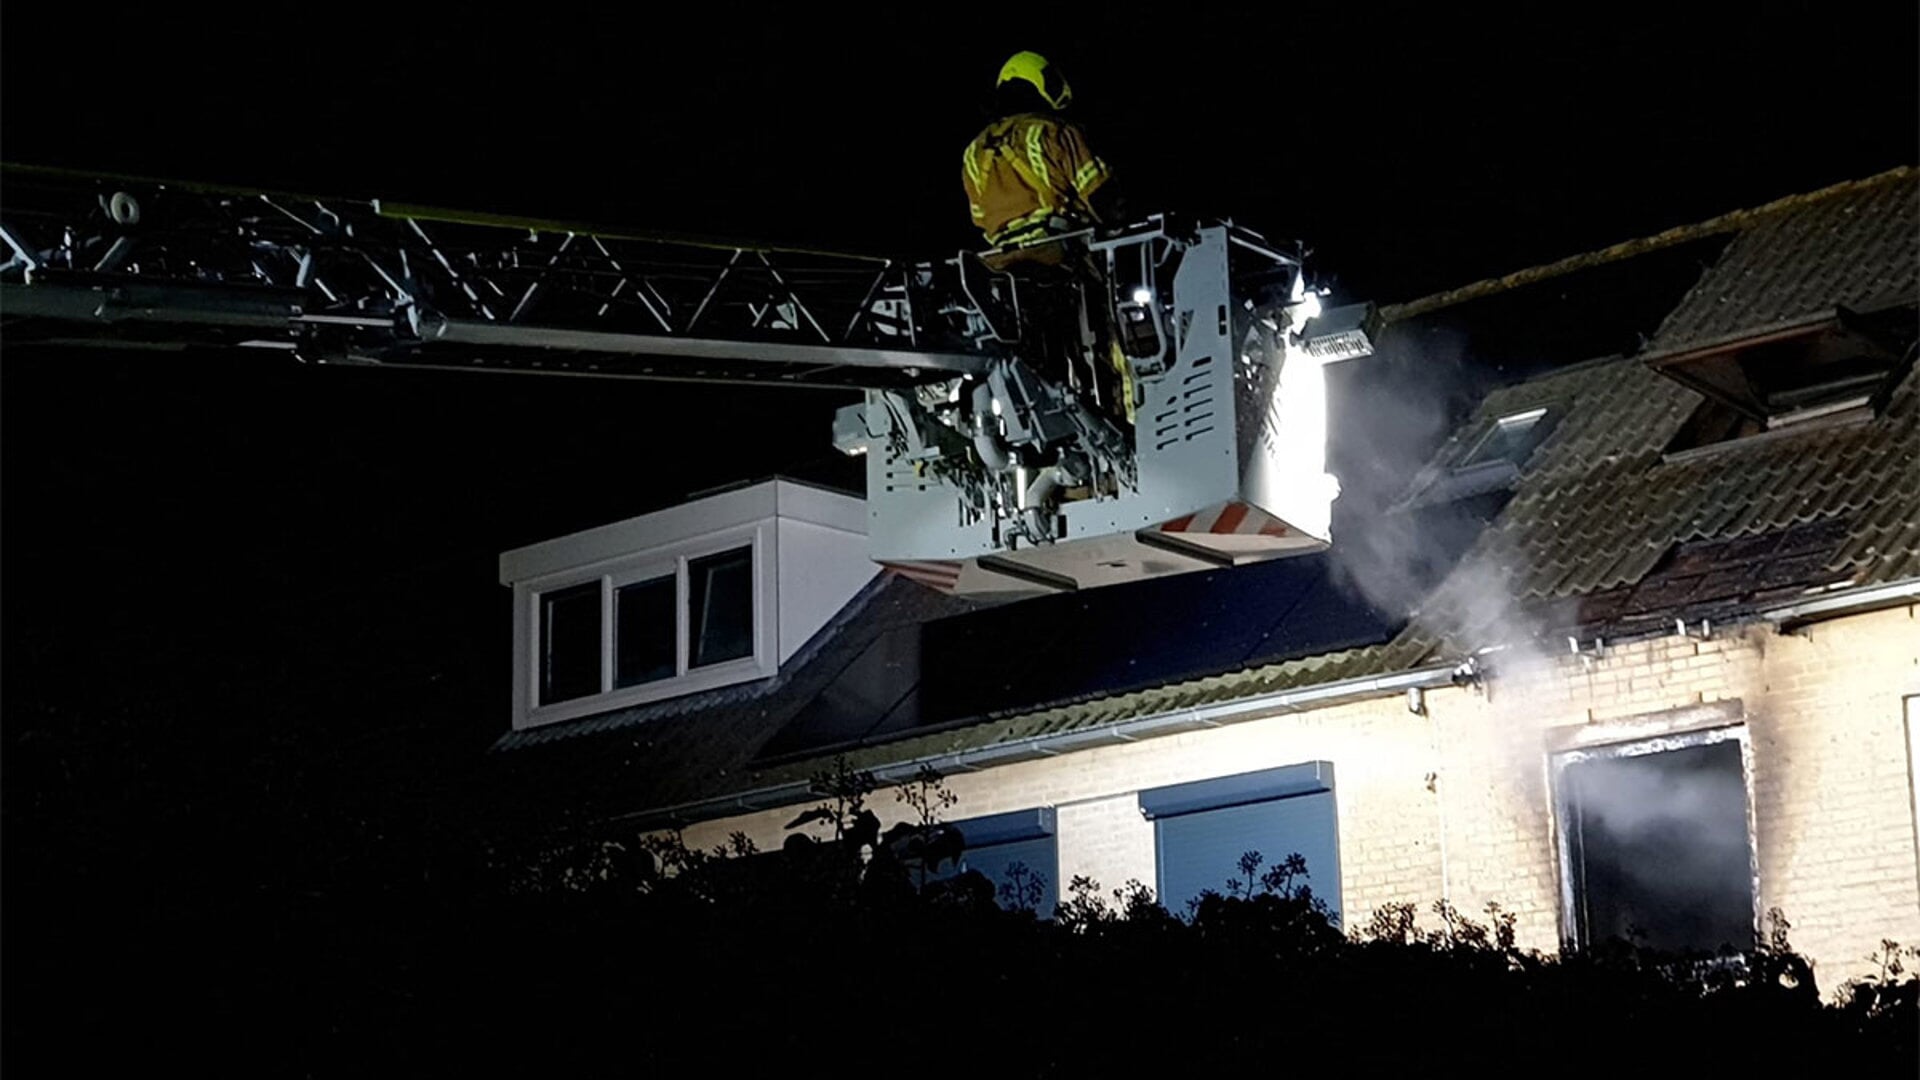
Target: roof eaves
x=1168, y=722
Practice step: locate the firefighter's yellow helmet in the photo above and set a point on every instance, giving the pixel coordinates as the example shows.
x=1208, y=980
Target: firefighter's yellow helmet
x=1031, y=67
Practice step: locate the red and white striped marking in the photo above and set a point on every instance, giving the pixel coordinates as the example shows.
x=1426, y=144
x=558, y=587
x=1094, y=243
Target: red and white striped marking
x=940, y=575
x=1229, y=519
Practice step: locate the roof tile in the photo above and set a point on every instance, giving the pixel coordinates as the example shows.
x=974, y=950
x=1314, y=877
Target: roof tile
x=1854, y=248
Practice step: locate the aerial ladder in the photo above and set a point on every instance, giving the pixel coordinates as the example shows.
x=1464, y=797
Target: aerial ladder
x=1134, y=402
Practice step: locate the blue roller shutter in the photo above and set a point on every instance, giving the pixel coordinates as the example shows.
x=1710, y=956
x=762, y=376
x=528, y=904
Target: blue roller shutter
x=1202, y=829
x=1026, y=837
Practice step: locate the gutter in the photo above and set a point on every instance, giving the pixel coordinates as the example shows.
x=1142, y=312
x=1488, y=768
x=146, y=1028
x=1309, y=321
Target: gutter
x=1055, y=744
x=1845, y=602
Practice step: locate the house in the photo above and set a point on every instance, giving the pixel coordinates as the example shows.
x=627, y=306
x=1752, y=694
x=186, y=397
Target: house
x=1637, y=653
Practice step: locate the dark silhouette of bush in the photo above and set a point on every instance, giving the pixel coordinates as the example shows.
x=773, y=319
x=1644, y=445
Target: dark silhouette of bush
x=846, y=948
x=855, y=949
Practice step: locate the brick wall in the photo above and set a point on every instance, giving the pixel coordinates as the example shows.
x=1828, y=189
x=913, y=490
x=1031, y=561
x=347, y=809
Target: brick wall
x=1832, y=786
x=1457, y=803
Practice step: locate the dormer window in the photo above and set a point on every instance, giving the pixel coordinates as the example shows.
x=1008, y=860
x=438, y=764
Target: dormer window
x=712, y=593
x=645, y=636
x=570, y=643
x=720, y=608
x=640, y=622
x=1831, y=369
x=645, y=631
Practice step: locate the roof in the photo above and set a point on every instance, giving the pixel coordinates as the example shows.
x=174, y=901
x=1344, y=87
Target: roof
x=1600, y=529
x=1599, y=512
x=1857, y=246
x=1602, y=516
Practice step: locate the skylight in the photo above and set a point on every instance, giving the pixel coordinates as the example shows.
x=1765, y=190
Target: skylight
x=1511, y=438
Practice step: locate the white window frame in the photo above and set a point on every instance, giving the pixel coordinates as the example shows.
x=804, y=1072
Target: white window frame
x=672, y=559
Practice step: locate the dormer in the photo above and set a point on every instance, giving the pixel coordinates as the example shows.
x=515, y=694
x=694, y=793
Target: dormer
x=1806, y=322
x=714, y=592
x=1834, y=367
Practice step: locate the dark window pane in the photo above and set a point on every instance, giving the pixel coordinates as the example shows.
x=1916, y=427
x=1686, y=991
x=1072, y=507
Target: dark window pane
x=1659, y=851
x=720, y=607
x=643, y=632
x=570, y=643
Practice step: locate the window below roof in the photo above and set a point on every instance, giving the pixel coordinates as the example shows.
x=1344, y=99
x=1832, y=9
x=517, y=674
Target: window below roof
x=1202, y=832
x=649, y=627
x=1018, y=855
x=1655, y=845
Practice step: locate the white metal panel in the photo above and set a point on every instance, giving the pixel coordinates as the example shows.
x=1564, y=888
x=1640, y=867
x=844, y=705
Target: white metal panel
x=1103, y=560
x=818, y=506
x=687, y=523
x=820, y=569
x=636, y=535
x=1184, y=430
x=911, y=513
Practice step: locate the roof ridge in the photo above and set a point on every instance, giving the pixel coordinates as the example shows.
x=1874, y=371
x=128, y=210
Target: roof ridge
x=1731, y=221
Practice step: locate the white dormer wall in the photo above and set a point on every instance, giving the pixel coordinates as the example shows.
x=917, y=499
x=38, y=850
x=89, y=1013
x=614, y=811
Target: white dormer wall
x=809, y=558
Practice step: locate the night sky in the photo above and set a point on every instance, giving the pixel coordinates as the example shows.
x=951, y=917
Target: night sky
x=246, y=592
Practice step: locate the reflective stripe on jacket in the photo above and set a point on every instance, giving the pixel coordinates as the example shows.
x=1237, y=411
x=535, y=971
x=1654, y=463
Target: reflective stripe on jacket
x=1025, y=169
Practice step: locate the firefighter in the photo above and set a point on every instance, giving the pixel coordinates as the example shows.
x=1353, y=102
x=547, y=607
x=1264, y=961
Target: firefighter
x=1030, y=174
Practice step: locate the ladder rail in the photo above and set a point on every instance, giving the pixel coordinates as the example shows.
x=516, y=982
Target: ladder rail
x=113, y=259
